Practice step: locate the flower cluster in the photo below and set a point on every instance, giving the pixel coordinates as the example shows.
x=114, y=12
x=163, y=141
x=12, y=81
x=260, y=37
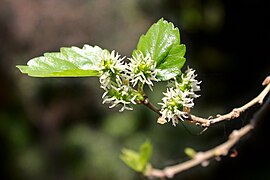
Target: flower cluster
x=118, y=78
x=142, y=69
x=119, y=95
x=178, y=99
x=112, y=80
x=112, y=67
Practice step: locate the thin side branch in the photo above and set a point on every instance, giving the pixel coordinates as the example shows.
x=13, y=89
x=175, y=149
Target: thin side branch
x=235, y=113
x=201, y=157
x=151, y=106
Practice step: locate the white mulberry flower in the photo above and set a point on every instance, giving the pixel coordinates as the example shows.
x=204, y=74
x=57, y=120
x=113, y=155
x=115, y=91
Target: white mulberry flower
x=105, y=80
x=113, y=81
x=113, y=69
x=187, y=82
x=119, y=96
x=179, y=97
x=112, y=62
x=174, y=103
x=142, y=69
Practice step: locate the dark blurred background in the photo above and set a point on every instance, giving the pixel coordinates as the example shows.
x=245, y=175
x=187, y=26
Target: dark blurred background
x=58, y=128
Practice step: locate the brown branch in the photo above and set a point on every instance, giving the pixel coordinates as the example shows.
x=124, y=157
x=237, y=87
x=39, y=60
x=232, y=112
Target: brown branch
x=221, y=150
x=235, y=113
x=151, y=106
x=202, y=157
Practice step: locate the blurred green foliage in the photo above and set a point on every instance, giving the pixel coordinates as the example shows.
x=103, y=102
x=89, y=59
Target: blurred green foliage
x=138, y=161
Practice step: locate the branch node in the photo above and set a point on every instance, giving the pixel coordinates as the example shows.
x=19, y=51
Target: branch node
x=236, y=113
x=146, y=101
x=169, y=172
x=234, y=153
x=199, y=155
x=221, y=152
x=218, y=158
x=205, y=163
x=266, y=81
x=161, y=120
x=234, y=133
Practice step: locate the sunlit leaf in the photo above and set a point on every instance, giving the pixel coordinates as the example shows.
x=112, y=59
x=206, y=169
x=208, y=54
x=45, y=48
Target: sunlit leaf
x=69, y=62
x=173, y=63
x=162, y=42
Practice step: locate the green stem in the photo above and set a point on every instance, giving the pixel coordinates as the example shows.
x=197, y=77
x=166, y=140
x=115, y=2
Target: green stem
x=140, y=88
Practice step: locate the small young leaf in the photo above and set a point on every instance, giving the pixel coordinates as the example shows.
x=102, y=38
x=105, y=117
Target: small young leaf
x=131, y=158
x=69, y=62
x=145, y=153
x=158, y=40
x=135, y=160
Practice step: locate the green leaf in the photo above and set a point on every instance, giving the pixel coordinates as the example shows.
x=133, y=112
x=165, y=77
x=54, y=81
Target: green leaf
x=69, y=62
x=159, y=40
x=162, y=42
x=138, y=161
x=145, y=153
x=131, y=158
x=172, y=64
